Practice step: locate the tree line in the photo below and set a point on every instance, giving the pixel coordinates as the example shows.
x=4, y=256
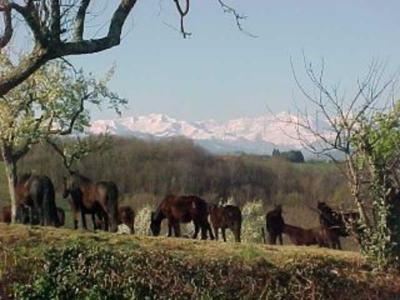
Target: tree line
x=178, y=166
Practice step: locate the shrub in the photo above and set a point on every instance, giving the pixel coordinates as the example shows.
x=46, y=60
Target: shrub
x=143, y=219
x=253, y=217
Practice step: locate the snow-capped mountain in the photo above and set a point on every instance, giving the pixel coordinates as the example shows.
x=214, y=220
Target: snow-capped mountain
x=253, y=135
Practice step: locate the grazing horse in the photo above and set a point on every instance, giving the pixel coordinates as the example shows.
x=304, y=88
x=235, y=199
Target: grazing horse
x=228, y=216
x=274, y=224
x=126, y=215
x=87, y=197
x=182, y=209
x=322, y=236
x=338, y=221
x=36, y=192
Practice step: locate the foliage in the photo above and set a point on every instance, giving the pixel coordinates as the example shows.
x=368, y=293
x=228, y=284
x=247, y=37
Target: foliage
x=51, y=102
x=253, y=216
x=376, y=143
x=142, y=220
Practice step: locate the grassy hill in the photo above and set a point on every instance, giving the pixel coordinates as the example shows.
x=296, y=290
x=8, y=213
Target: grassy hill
x=44, y=263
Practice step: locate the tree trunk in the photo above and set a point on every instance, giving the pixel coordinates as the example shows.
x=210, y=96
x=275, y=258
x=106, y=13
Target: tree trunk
x=11, y=173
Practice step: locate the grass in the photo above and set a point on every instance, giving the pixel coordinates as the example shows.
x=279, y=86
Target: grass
x=207, y=267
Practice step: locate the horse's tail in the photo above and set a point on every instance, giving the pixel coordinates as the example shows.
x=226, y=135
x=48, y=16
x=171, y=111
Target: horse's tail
x=112, y=204
x=49, y=204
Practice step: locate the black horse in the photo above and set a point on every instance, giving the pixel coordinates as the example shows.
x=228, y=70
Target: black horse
x=338, y=221
x=36, y=197
x=275, y=225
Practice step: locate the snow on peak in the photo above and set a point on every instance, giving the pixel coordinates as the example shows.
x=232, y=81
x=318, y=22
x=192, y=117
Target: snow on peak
x=276, y=130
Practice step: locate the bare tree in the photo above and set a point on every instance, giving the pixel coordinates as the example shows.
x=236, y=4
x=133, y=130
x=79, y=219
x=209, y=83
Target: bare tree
x=360, y=134
x=58, y=28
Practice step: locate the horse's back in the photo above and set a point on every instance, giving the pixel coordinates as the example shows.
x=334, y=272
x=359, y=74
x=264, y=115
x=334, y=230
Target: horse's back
x=184, y=208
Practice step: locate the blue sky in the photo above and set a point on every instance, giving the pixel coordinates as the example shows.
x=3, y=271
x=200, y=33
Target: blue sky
x=222, y=74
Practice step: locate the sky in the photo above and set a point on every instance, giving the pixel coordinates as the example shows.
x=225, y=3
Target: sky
x=220, y=73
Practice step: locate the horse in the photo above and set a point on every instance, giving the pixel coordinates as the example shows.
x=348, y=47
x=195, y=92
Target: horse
x=338, y=221
x=181, y=209
x=36, y=193
x=87, y=197
x=322, y=236
x=228, y=216
x=126, y=215
x=274, y=224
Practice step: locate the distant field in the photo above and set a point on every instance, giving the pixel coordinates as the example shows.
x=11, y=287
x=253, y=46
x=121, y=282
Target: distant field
x=108, y=266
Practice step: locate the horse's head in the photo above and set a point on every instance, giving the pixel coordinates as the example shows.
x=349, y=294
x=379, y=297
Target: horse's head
x=321, y=205
x=278, y=209
x=155, y=224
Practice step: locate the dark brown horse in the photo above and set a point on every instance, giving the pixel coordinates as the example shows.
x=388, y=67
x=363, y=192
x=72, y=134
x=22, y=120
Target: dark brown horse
x=341, y=222
x=182, y=209
x=36, y=193
x=87, y=197
x=224, y=217
x=126, y=215
x=274, y=224
x=322, y=236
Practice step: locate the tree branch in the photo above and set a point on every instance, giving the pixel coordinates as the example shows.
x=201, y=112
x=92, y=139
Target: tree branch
x=8, y=28
x=80, y=20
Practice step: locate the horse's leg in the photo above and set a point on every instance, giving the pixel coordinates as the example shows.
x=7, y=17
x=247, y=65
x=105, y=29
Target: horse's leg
x=94, y=221
x=41, y=217
x=216, y=232
x=204, y=230
x=30, y=215
x=210, y=231
x=75, y=220
x=236, y=232
x=169, y=228
x=106, y=223
x=339, y=246
x=83, y=219
x=272, y=238
x=238, y=227
x=177, y=229
x=223, y=233
x=196, y=230
x=280, y=239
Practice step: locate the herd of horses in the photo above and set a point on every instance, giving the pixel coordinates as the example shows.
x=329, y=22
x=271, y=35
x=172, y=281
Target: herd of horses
x=36, y=205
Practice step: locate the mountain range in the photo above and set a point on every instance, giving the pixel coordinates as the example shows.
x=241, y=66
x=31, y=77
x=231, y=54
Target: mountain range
x=256, y=135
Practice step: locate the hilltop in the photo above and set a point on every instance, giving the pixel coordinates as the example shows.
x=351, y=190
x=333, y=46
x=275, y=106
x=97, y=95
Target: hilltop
x=48, y=262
